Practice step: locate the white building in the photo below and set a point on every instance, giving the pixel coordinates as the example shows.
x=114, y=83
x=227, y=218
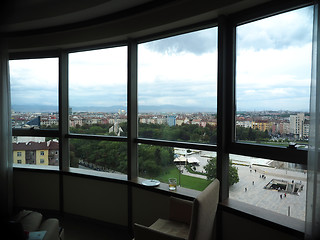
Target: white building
x=306, y=129
x=246, y=124
x=296, y=125
x=25, y=139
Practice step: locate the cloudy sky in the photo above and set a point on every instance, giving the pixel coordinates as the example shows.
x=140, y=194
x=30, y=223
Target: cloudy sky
x=273, y=68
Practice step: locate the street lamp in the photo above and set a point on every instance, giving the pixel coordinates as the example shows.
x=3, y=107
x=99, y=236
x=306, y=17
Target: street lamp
x=179, y=177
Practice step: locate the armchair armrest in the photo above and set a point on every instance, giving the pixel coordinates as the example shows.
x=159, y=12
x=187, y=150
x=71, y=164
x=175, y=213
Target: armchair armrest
x=50, y=225
x=180, y=210
x=144, y=233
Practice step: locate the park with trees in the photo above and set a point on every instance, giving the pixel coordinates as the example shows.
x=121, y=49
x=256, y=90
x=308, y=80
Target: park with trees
x=154, y=161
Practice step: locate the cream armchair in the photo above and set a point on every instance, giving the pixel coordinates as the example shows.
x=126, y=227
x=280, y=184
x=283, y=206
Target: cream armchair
x=188, y=220
x=32, y=221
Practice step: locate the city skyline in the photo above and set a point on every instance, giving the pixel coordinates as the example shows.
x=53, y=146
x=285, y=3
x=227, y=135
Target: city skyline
x=162, y=109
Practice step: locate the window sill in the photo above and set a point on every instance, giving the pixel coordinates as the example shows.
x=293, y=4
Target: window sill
x=36, y=167
x=72, y=171
x=284, y=223
x=163, y=188
x=97, y=174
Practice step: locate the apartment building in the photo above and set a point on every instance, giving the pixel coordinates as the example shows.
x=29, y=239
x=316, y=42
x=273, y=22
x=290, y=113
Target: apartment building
x=297, y=127
x=36, y=153
x=261, y=125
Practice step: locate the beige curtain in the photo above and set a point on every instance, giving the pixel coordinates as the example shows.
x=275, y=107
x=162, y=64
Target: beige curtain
x=5, y=135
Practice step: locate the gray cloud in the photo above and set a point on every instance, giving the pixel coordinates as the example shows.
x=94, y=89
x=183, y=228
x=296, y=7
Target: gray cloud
x=198, y=42
x=277, y=32
x=280, y=33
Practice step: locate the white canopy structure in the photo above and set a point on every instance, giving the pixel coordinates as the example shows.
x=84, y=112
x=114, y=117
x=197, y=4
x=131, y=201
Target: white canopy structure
x=183, y=160
x=180, y=160
x=193, y=160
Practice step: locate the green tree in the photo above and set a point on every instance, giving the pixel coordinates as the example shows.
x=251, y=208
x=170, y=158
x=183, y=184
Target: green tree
x=251, y=135
x=157, y=156
x=233, y=174
x=154, y=160
x=211, y=171
x=185, y=132
x=74, y=162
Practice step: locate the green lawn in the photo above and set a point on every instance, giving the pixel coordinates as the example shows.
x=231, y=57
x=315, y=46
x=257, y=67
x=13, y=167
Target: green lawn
x=185, y=181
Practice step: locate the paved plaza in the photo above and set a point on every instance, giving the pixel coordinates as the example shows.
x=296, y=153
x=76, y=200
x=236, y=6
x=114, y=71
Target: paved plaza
x=270, y=199
x=250, y=179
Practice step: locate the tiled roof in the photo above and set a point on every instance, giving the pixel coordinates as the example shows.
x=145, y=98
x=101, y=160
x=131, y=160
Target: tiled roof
x=32, y=146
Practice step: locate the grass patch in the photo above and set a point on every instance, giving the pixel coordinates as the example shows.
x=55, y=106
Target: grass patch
x=185, y=181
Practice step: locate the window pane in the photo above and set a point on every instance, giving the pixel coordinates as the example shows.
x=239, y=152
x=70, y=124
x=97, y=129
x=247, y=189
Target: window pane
x=104, y=156
x=187, y=166
x=276, y=186
x=98, y=91
x=34, y=93
x=40, y=151
x=273, y=75
x=177, y=87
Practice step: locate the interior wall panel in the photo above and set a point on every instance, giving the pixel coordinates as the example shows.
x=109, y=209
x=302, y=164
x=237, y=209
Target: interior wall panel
x=37, y=190
x=100, y=200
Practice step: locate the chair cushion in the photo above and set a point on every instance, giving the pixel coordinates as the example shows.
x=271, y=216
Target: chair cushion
x=177, y=229
x=180, y=210
x=145, y=233
x=30, y=220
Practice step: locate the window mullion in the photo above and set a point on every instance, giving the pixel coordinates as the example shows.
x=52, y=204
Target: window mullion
x=132, y=111
x=64, y=161
x=225, y=102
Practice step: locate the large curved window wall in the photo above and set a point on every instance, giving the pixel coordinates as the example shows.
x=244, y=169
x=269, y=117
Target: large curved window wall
x=168, y=106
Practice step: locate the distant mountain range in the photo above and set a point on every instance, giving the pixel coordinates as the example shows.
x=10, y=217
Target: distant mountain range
x=112, y=109
x=34, y=108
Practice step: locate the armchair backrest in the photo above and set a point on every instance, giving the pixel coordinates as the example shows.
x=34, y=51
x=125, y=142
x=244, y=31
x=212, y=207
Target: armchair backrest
x=204, y=212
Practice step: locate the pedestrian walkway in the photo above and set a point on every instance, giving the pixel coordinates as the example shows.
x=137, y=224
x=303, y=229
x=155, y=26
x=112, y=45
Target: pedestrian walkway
x=250, y=189
x=282, y=173
x=185, y=172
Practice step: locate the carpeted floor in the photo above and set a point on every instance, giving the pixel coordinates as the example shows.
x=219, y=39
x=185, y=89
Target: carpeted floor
x=78, y=228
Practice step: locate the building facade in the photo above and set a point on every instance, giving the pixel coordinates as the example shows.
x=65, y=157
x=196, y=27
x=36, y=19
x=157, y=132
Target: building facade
x=38, y=153
x=171, y=120
x=296, y=125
